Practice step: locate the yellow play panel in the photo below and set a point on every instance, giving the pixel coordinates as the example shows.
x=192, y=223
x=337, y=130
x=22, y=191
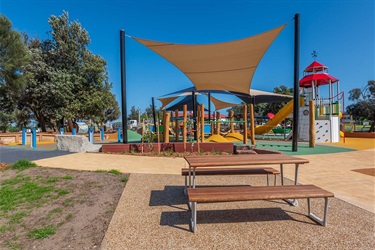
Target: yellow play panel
x=356, y=143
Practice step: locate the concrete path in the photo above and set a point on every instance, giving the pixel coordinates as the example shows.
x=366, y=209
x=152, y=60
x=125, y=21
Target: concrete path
x=334, y=172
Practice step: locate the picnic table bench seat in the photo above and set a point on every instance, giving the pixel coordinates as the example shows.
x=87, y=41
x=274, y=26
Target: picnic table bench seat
x=248, y=193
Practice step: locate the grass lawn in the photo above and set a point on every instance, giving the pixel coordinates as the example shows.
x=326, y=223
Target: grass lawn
x=56, y=208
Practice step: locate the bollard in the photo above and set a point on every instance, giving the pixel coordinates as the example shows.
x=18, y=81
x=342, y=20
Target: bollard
x=91, y=135
x=118, y=135
x=102, y=134
x=61, y=131
x=33, y=138
x=74, y=131
x=24, y=137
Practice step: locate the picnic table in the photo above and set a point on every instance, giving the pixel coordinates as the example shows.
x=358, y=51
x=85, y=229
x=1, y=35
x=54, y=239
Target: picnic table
x=288, y=193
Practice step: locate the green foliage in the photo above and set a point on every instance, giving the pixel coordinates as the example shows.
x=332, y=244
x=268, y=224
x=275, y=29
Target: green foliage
x=20, y=191
x=275, y=107
x=238, y=110
x=21, y=165
x=68, y=202
x=149, y=113
x=363, y=107
x=149, y=137
x=13, y=129
x=124, y=179
x=42, y=232
x=112, y=171
x=133, y=115
x=5, y=119
x=17, y=217
x=13, y=57
x=65, y=80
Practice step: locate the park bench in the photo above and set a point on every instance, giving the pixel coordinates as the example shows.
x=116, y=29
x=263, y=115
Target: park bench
x=249, y=193
x=231, y=171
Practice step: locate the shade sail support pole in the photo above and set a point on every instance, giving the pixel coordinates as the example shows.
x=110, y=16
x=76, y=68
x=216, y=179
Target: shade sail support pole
x=209, y=108
x=153, y=113
x=123, y=88
x=296, y=82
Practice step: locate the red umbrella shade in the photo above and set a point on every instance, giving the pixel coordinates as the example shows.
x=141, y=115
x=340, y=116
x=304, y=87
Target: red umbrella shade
x=320, y=79
x=315, y=67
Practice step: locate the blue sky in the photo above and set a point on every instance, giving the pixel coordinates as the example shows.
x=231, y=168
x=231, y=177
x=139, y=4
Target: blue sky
x=341, y=31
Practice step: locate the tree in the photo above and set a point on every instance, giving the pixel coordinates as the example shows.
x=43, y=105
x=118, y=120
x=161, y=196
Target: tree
x=13, y=57
x=134, y=112
x=148, y=114
x=364, y=103
x=49, y=89
x=238, y=110
x=274, y=107
x=66, y=80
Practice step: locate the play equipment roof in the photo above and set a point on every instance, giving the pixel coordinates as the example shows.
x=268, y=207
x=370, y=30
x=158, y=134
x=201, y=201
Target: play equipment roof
x=220, y=66
x=319, y=79
x=315, y=67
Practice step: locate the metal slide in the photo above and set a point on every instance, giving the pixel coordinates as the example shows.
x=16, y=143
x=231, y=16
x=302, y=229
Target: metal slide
x=279, y=117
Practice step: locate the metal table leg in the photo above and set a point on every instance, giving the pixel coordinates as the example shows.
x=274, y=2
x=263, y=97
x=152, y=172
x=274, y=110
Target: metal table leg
x=293, y=202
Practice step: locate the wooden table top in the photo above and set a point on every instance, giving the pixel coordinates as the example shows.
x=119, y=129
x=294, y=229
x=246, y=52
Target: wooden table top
x=236, y=160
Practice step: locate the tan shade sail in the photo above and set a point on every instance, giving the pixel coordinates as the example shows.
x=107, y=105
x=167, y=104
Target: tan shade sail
x=220, y=66
x=166, y=100
x=220, y=104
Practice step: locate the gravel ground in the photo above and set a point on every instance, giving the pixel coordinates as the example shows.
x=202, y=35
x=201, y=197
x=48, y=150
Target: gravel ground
x=152, y=214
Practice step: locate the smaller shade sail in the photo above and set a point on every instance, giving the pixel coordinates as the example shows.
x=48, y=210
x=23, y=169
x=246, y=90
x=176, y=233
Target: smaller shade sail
x=187, y=100
x=319, y=79
x=169, y=98
x=221, y=104
x=258, y=96
x=165, y=101
x=315, y=67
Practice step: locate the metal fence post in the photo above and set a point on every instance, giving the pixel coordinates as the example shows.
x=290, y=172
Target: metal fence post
x=24, y=137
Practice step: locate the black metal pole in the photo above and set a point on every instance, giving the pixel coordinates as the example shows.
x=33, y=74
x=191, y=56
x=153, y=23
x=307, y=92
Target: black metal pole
x=296, y=83
x=209, y=108
x=123, y=88
x=153, y=113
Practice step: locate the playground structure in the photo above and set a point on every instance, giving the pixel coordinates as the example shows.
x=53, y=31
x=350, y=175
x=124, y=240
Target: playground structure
x=279, y=117
x=233, y=73
x=320, y=117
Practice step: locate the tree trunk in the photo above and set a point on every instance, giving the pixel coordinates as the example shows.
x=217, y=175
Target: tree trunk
x=372, y=128
x=70, y=125
x=42, y=123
